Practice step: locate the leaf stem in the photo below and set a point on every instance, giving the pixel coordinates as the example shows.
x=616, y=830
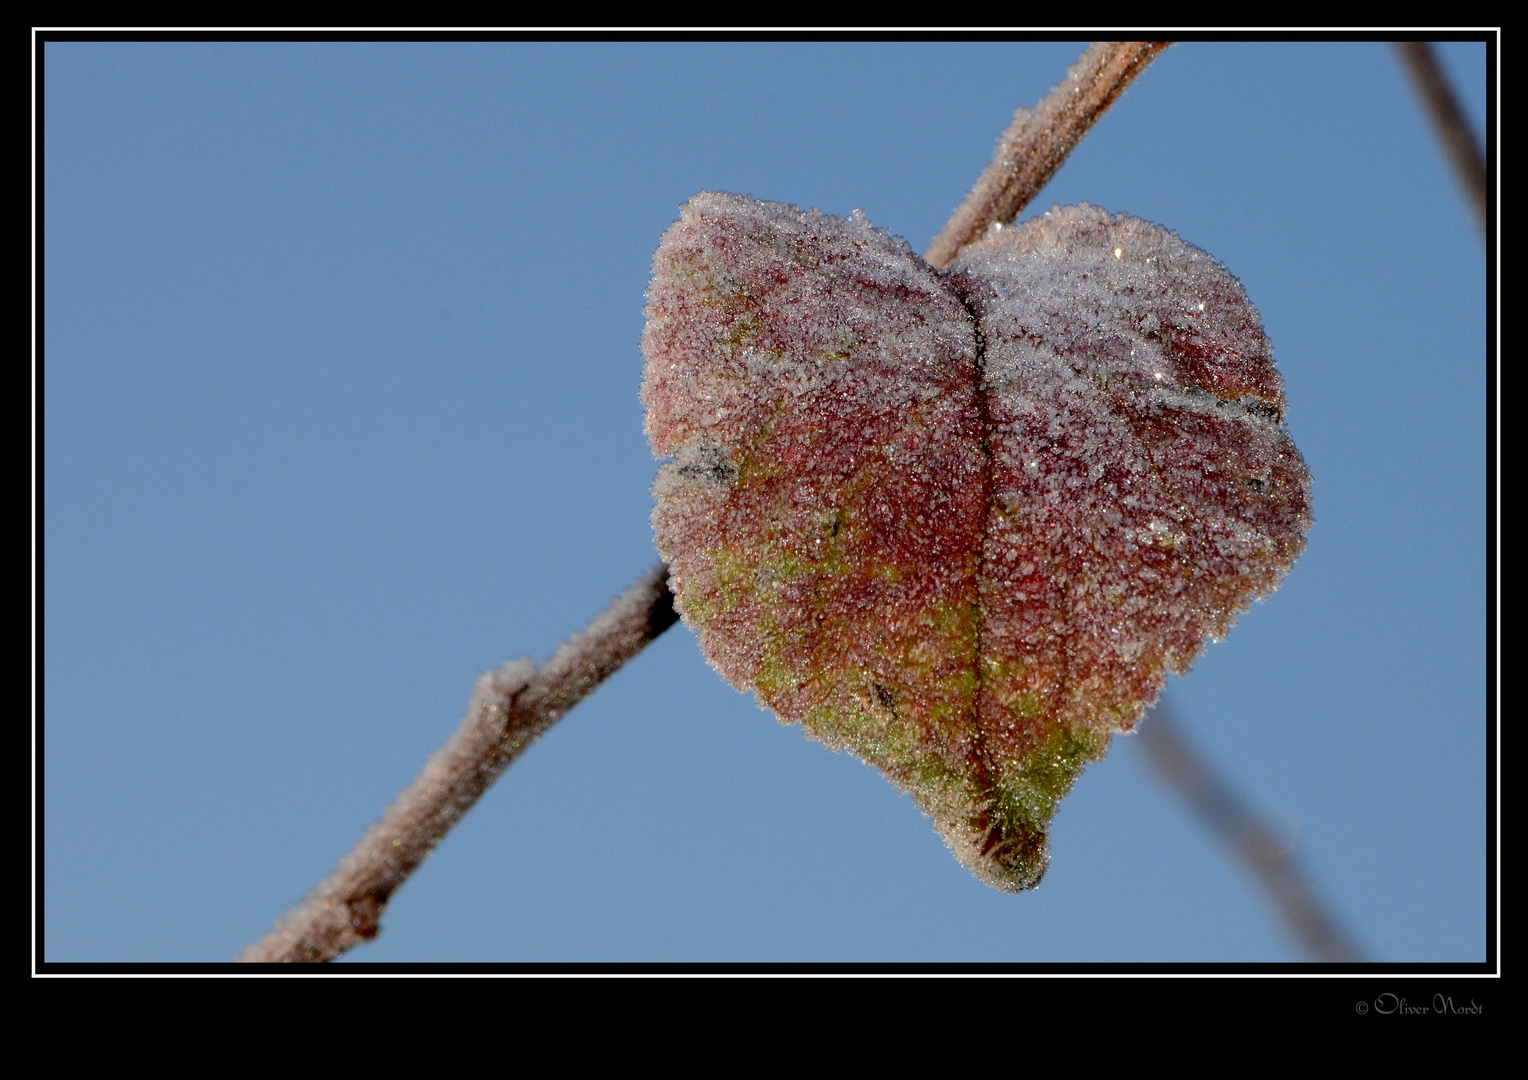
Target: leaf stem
x=1039, y=140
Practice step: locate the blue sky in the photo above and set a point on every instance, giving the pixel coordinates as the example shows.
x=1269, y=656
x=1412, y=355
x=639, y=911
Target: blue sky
x=340, y=408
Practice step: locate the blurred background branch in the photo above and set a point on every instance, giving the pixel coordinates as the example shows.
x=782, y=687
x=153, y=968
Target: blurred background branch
x=1220, y=810
x=1449, y=124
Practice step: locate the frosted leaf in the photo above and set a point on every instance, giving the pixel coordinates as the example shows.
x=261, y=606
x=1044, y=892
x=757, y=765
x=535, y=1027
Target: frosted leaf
x=967, y=557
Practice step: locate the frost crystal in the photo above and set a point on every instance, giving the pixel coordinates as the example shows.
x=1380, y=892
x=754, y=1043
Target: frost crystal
x=962, y=524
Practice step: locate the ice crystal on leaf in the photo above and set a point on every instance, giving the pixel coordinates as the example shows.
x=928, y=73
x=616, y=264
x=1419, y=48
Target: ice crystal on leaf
x=962, y=523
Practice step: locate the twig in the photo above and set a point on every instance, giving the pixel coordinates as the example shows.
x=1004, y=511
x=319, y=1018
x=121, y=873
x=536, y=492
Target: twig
x=513, y=705
x=510, y=707
x=516, y=703
x=1039, y=139
x=1448, y=121
x=1227, y=816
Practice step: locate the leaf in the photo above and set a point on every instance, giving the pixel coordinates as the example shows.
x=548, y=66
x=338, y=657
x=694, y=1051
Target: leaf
x=962, y=524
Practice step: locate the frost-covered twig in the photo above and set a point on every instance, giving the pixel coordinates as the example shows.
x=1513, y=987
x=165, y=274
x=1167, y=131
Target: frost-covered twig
x=515, y=704
x=510, y=707
x=1448, y=121
x=1224, y=814
x=1039, y=139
